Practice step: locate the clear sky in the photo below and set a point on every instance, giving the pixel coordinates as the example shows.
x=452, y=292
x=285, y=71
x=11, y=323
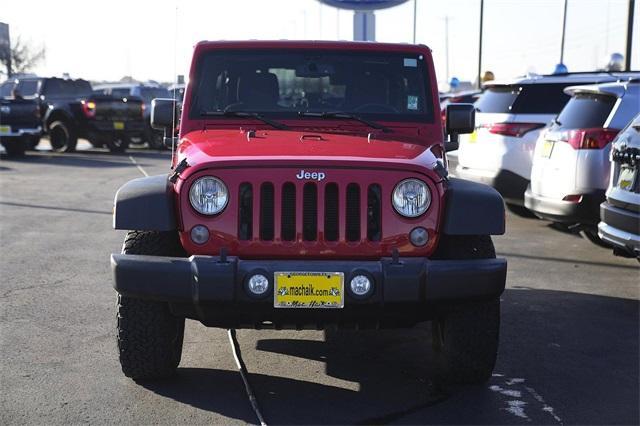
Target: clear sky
x=105, y=40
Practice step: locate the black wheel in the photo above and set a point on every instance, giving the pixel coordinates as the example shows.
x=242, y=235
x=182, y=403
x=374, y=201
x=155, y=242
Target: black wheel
x=34, y=141
x=591, y=234
x=466, y=337
x=156, y=141
x=62, y=137
x=15, y=147
x=149, y=336
x=521, y=211
x=118, y=144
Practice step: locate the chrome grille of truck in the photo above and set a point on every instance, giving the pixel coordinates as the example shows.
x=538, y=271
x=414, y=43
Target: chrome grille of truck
x=309, y=212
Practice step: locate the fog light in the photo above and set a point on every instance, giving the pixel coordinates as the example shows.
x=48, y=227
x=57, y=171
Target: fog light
x=360, y=285
x=258, y=284
x=199, y=234
x=419, y=237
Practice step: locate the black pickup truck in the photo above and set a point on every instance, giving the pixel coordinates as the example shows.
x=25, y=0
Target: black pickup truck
x=20, y=125
x=70, y=110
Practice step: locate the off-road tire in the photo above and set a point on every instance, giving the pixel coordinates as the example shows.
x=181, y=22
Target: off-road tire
x=15, y=147
x=465, y=339
x=62, y=137
x=149, y=336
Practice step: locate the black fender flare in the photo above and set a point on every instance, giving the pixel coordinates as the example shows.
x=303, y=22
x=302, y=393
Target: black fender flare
x=58, y=114
x=472, y=208
x=145, y=204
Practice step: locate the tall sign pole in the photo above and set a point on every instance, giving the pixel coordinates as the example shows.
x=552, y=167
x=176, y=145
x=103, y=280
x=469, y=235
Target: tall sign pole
x=415, y=10
x=627, y=57
x=564, y=30
x=480, y=44
x=364, y=20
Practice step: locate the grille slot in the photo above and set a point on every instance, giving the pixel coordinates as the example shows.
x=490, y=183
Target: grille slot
x=266, y=211
x=245, y=212
x=331, y=205
x=310, y=212
x=353, y=212
x=288, y=218
x=374, y=213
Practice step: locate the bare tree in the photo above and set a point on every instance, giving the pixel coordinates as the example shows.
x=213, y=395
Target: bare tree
x=24, y=57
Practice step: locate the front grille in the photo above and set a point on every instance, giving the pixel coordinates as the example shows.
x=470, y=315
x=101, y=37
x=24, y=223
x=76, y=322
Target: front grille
x=311, y=212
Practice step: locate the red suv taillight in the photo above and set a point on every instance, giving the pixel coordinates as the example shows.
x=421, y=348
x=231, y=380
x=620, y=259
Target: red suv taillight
x=512, y=129
x=89, y=108
x=596, y=138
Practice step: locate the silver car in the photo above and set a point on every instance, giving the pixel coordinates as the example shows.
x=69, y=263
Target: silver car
x=620, y=213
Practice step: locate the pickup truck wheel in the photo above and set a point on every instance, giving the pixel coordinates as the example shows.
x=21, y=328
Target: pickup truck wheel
x=156, y=141
x=149, y=336
x=466, y=338
x=62, y=137
x=15, y=147
x=118, y=144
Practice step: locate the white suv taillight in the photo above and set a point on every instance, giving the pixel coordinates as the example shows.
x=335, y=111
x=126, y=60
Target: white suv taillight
x=517, y=130
x=596, y=138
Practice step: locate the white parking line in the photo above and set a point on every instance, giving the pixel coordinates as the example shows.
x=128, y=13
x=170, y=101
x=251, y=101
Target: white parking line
x=135, y=163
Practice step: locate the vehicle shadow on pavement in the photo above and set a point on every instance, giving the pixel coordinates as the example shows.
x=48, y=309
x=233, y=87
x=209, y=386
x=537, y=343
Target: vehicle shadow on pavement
x=564, y=358
x=72, y=160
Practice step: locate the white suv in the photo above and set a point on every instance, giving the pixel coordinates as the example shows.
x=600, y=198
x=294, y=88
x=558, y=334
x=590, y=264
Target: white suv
x=571, y=163
x=509, y=118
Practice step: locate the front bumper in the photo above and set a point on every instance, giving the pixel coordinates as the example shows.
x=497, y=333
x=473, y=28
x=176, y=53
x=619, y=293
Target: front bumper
x=620, y=228
x=211, y=289
x=585, y=212
x=510, y=185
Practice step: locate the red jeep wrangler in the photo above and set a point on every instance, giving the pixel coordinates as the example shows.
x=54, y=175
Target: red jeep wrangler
x=309, y=189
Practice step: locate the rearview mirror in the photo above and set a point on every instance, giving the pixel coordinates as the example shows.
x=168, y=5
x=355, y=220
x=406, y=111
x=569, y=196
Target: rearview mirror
x=461, y=118
x=164, y=113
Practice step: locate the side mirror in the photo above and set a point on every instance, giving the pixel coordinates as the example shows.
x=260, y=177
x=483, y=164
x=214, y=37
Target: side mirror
x=164, y=113
x=461, y=119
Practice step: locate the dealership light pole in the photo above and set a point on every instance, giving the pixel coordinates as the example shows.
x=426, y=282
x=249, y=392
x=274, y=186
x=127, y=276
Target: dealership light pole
x=627, y=57
x=564, y=29
x=480, y=45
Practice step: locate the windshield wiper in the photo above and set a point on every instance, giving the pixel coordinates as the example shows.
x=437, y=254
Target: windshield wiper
x=347, y=116
x=243, y=114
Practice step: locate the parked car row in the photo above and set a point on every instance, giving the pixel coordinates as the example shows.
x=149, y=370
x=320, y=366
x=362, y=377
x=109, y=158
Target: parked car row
x=113, y=116
x=545, y=143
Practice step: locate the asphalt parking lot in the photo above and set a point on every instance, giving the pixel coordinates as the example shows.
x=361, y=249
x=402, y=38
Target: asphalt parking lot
x=568, y=354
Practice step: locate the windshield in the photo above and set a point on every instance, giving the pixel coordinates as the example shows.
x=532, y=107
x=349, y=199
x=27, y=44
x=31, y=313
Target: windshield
x=539, y=98
x=379, y=86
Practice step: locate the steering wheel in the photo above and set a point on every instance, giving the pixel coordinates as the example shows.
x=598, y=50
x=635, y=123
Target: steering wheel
x=372, y=107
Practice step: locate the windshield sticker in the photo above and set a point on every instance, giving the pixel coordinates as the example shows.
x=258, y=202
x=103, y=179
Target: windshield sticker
x=412, y=103
x=410, y=62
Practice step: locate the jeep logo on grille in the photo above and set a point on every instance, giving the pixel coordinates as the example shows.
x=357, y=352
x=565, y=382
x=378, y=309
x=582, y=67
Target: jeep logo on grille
x=303, y=174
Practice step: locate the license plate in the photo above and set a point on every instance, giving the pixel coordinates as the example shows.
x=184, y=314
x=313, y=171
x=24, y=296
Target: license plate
x=473, y=137
x=118, y=125
x=309, y=290
x=5, y=130
x=626, y=178
x=547, y=148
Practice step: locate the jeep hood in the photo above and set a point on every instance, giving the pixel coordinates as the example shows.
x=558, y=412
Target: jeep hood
x=232, y=147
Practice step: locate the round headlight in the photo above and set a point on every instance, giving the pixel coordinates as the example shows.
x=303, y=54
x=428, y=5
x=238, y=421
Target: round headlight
x=411, y=197
x=208, y=195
